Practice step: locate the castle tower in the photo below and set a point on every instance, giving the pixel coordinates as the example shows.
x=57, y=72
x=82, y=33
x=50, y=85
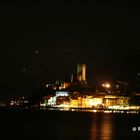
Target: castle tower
x=81, y=72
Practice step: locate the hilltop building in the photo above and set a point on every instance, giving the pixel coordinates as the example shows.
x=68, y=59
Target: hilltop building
x=81, y=73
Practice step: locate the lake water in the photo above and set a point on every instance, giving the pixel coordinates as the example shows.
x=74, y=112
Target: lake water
x=63, y=125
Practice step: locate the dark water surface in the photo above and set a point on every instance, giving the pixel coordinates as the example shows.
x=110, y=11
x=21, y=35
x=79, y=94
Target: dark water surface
x=61, y=125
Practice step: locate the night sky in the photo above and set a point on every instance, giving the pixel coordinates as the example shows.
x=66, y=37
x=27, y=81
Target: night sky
x=43, y=42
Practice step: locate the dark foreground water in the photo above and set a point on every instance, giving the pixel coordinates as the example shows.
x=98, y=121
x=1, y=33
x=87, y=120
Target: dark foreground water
x=49, y=125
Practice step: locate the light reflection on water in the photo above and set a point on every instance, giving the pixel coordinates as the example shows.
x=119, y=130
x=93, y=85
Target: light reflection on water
x=102, y=130
x=106, y=128
x=61, y=125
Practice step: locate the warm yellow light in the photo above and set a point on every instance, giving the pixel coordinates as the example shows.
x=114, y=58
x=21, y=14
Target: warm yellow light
x=106, y=85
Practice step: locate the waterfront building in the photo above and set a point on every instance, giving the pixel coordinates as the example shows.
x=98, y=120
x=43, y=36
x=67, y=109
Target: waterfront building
x=116, y=101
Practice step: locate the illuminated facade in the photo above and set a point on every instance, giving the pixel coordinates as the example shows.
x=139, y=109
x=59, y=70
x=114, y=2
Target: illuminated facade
x=63, y=99
x=81, y=72
x=111, y=101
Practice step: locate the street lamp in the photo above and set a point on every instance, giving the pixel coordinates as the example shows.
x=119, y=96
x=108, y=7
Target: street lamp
x=106, y=85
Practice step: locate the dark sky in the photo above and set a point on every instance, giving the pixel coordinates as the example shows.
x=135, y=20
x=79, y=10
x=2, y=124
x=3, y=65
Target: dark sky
x=45, y=41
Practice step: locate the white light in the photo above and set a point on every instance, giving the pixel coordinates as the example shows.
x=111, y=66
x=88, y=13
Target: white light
x=62, y=93
x=138, y=128
x=114, y=107
x=94, y=110
x=107, y=111
x=36, y=51
x=134, y=128
x=11, y=103
x=43, y=105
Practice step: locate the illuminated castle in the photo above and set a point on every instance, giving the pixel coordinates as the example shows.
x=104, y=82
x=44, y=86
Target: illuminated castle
x=81, y=73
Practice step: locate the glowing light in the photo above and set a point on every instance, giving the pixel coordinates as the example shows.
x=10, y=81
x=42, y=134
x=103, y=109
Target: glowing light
x=24, y=69
x=11, y=103
x=43, y=105
x=138, y=128
x=62, y=93
x=94, y=110
x=52, y=101
x=74, y=103
x=36, y=51
x=134, y=129
x=106, y=85
x=114, y=107
x=107, y=111
x=97, y=101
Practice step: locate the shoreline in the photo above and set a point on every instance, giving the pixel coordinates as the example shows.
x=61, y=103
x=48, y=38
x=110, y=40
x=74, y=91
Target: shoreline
x=134, y=111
